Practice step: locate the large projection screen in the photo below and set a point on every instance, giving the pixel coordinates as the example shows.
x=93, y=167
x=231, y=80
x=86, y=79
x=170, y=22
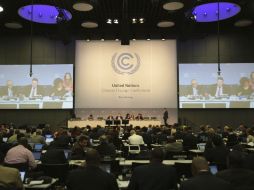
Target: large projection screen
x=49, y=87
x=200, y=86
x=141, y=75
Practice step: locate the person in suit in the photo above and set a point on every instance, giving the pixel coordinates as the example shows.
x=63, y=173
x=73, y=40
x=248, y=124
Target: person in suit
x=155, y=175
x=236, y=175
x=78, y=149
x=34, y=89
x=105, y=148
x=165, y=117
x=194, y=89
x=9, y=90
x=203, y=179
x=10, y=177
x=91, y=176
x=219, y=89
x=54, y=156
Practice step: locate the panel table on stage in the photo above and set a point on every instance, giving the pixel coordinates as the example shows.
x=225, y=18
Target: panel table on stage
x=94, y=123
x=230, y=102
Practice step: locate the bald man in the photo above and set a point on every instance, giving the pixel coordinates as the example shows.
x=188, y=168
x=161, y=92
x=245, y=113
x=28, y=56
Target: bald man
x=203, y=179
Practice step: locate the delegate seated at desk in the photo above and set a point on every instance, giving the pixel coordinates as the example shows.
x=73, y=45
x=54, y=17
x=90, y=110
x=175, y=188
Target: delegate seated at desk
x=9, y=90
x=219, y=89
x=244, y=88
x=194, y=89
x=58, y=89
x=33, y=90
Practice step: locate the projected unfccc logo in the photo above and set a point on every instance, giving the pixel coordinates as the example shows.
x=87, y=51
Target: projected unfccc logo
x=125, y=63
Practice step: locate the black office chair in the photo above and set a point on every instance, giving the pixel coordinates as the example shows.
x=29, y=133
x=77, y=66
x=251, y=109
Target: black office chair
x=19, y=166
x=59, y=171
x=183, y=170
x=136, y=164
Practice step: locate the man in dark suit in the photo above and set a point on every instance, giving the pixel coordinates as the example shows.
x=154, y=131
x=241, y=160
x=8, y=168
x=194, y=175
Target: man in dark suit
x=91, y=176
x=194, y=89
x=34, y=89
x=219, y=89
x=154, y=176
x=165, y=117
x=54, y=156
x=9, y=90
x=236, y=175
x=203, y=179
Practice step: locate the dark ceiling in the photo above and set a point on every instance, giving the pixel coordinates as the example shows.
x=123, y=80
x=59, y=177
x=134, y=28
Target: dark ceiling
x=151, y=10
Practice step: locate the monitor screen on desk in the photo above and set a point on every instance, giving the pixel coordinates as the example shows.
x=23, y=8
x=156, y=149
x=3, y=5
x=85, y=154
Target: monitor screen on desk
x=50, y=87
x=200, y=86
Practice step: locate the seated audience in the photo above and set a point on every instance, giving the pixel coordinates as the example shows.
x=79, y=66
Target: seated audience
x=79, y=148
x=154, y=176
x=203, y=179
x=105, y=148
x=173, y=146
x=135, y=139
x=216, y=152
x=20, y=154
x=37, y=138
x=250, y=135
x=91, y=176
x=54, y=156
x=189, y=140
x=236, y=175
x=10, y=177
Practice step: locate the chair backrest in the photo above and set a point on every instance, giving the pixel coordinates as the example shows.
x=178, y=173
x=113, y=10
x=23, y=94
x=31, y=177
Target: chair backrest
x=19, y=166
x=183, y=169
x=59, y=171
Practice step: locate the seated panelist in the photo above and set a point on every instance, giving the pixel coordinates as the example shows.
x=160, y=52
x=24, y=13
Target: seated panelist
x=9, y=90
x=58, y=89
x=34, y=90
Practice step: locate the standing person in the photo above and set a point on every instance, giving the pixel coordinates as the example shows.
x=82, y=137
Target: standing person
x=165, y=117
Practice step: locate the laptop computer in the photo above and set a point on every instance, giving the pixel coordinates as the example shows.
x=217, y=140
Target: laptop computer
x=201, y=147
x=67, y=154
x=5, y=139
x=48, y=136
x=37, y=155
x=213, y=169
x=134, y=149
x=38, y=147
x=49, y=140
x=22, y=175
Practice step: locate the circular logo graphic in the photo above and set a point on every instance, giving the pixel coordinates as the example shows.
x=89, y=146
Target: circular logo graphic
x=125, y=63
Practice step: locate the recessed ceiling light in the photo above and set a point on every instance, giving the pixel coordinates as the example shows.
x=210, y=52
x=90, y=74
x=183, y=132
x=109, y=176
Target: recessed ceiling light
x=13, y=25
x=1, y=9
x=89, y=24
x=133, y=39
x=82, y=6
x=148, y=39
x=115, y=21
x=109, y=21
x=117, y=39
x=163, y=39
x=243, y=23
x=165, y=24
x=173, y=5
x=88, y=40
x=134, y=21
x=141, y=20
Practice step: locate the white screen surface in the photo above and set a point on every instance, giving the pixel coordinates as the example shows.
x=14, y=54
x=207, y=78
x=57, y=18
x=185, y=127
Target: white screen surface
x=141, y=75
